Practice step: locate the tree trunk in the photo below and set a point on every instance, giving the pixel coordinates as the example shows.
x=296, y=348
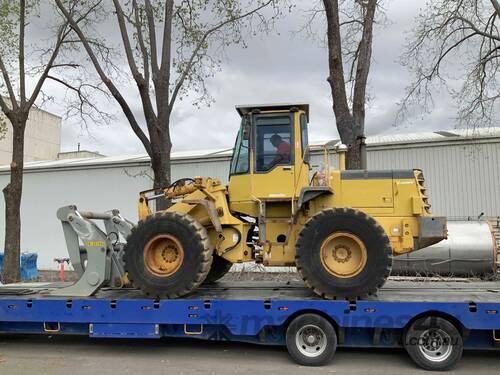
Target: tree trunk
x=350, y=123
x=160, y=163
x=12, y=195
x=351, y=134
x=161, y=146
x=353, y=157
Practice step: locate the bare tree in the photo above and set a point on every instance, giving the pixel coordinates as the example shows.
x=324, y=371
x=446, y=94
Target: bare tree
x=349, y=42
x=17, y=100
x=170, y=47
x=16, y=109
x=455, y=45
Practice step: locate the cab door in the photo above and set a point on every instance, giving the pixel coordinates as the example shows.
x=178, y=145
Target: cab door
x=274, y=173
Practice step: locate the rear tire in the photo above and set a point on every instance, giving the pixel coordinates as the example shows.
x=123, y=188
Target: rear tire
x=343, y=253
x=434, y=343
x=168, y=255
x=311, y=340
x=218, y=270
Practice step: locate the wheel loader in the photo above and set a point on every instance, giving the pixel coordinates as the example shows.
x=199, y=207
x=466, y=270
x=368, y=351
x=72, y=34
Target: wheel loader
x=339, y=228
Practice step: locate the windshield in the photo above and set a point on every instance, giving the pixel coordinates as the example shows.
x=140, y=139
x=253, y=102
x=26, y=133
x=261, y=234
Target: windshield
x=239, y=163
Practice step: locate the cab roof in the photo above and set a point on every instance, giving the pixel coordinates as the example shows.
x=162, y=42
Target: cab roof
x=245, y=109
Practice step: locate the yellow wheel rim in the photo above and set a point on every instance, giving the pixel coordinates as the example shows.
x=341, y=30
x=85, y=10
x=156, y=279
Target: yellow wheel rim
x=163, y=255
x=343, y=255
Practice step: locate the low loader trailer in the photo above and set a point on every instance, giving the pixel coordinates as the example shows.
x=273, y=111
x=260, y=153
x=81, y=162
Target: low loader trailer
x=433, y=321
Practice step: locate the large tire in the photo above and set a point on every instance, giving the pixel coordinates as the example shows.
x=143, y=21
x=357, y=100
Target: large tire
x=434, y=343
x=168, y=255
x=219, y=268
x=311, y=340
x=343, y=253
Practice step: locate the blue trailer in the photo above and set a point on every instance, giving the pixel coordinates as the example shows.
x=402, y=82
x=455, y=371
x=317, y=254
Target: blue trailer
x=433, y=321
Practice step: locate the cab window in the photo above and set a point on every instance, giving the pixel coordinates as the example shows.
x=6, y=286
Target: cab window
x=274, y=144
x=239, y=163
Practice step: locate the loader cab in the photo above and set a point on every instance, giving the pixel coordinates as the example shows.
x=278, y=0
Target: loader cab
x=269, y=160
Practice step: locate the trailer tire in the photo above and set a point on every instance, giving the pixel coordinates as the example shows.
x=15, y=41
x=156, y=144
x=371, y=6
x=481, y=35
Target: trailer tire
x=218, y=270
x=433, y=343
x=343, y=253
x=168, y=255
x=311, y=340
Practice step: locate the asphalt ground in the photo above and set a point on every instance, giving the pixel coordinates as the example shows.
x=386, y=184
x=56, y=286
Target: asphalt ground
x=58, y=355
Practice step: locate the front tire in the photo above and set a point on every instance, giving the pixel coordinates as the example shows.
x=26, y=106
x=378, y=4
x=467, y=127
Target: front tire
x=343, y=253
x=168, y=255
x=311, y=340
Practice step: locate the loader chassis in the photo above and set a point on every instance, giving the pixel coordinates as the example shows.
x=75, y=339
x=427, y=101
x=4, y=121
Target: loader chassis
x=367, y=216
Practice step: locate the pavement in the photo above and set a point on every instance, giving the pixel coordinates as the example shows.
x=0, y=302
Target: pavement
x=40, y=355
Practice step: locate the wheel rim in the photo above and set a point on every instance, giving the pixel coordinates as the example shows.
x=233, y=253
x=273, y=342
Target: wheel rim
x=435, y=345
x=343, y=254
x=311, y=340
x=163, y=255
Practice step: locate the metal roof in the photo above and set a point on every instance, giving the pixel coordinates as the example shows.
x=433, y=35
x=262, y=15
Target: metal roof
x=245, y=109
x=437, y=136
x=186, y=156
x=427, y=137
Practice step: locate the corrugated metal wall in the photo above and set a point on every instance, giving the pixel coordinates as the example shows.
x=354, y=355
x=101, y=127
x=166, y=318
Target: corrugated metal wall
x=463, y=180
x=216, y=169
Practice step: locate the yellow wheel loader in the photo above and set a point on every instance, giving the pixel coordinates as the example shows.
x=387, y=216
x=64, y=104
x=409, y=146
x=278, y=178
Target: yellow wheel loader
x=339, y=227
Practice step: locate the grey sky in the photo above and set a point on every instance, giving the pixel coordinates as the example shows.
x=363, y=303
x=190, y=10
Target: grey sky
x=278, y=68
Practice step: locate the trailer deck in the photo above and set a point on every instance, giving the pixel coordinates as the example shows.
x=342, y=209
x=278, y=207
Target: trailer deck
x=392, y=291
x=257, y=312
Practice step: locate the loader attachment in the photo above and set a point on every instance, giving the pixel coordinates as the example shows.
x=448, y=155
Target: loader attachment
x=95, y=255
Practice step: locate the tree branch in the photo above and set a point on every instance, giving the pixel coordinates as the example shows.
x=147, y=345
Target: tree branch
x=22, y=72
x=8, y=83
x=140, y=39
x=200, y=44
x=364, y=61
x=142, y=85
x=476, y=30
x=496, y=5
x=152, y=39
x=106, y=80
x=336, y=77
x=5, y=108
x=163, y=84
x=126, y=44
x=60, y=37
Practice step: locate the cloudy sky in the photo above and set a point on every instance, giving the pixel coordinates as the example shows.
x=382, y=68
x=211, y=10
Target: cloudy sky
x=282, y=67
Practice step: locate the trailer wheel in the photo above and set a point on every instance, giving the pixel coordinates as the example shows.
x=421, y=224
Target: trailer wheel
x=168, y=255
x=434, y=343
x=343, y=253
x=219, y=268
x=311, y=340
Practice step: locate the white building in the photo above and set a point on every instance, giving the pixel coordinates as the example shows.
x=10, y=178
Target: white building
x=462, y=172
x=42, y=138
